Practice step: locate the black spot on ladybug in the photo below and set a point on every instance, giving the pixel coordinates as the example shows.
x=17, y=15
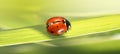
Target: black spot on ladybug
x=57, y=26
x=63, y=21
x=52, y=32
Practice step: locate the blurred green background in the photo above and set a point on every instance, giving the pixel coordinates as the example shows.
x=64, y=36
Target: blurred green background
x=21, y=13
x=24, y=13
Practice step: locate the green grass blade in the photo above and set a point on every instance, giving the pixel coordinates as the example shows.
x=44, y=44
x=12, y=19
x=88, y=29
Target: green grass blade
x=80, y=27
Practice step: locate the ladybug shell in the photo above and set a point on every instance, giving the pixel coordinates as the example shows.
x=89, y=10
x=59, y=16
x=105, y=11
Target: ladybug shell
x=57, y=28
x=56, y=25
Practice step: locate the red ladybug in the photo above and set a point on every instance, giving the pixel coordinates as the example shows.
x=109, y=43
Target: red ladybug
x=58, y=25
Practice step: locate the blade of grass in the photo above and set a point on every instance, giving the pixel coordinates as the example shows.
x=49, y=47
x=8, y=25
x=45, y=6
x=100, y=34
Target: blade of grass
x=79, y=28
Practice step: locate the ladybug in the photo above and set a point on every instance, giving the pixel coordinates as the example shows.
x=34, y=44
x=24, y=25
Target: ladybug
x=58, y=25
